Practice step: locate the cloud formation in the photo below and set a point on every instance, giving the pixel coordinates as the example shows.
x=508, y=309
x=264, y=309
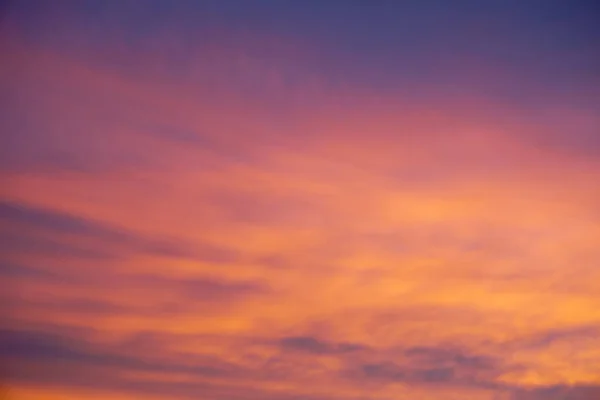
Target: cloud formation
x=215, y=200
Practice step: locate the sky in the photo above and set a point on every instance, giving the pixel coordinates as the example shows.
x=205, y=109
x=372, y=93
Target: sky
x=300, y=200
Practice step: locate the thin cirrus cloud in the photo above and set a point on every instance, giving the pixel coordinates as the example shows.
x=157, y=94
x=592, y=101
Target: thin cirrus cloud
x=213, y=200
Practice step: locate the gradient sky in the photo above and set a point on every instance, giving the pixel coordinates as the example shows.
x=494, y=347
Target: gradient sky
x=300, y=200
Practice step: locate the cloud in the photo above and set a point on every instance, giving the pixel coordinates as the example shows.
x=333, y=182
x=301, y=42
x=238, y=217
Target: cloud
x=17, y=270
x=443, y=355
x=559, y=392
x=41, y=347
x=31, y=226
x=387, y=371
x=28, y=244
x=313, y=345
x=449, y=367
x=134, y=295
x=570, y=334
x=204, y=289
x=32, y=217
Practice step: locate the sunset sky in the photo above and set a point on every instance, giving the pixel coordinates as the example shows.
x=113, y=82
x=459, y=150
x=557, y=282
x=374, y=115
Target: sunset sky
x=300, y=200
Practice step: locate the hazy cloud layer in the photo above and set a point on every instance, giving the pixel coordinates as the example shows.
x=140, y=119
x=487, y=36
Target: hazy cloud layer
x=299, y=200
